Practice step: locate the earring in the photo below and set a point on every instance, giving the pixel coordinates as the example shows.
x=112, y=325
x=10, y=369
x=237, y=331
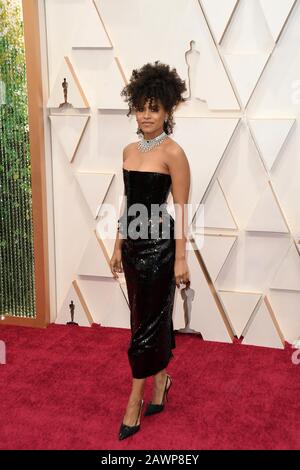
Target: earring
x=166, y=119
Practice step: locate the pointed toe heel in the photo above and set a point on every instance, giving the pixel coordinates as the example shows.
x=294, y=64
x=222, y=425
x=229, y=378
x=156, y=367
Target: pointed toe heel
x=153, y=408
x=127, y=431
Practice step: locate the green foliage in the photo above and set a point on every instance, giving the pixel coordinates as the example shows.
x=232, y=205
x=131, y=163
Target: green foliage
x=17, y=290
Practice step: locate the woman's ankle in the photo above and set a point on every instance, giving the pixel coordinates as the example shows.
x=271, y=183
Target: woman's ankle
x=160, y=378
x=135, y=399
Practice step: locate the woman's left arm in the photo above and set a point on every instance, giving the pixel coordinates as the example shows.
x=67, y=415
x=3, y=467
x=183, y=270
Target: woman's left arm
x=180, y=173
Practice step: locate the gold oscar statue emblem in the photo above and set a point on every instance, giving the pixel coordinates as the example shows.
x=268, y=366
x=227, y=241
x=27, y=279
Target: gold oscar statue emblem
x=65, y=104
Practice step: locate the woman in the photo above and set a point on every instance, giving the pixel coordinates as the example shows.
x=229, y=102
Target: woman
x=153, y=263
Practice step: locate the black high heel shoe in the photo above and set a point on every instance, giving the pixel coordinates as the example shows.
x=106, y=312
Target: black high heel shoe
x=152, y=408
x=126, y=431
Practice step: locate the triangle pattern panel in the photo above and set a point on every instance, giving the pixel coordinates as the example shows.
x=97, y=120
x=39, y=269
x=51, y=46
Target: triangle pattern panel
x=270, y=135
x=203, y=128
x=276, y=13
x=205, y=316
x=106, y=301
x=217, y=17
x=267, y=216
x=213, y=84
x=245, y=70
x=239, y=307
x=81, y=314
x=69, y=130
x=113, y=318
x=100, y=75
x=91, y=32
x=216, y=211
x=246, y=48
x=76, y=96
x=215, y=251
x=248, y=32
x=286, y=305
x=206, y=85
x=94, y=187
x=94, y=262
x=288, y=274
x=263, y=329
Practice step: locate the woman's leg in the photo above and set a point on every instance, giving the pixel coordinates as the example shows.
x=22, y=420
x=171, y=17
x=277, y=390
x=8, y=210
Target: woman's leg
x=134, y=402
x=159, y=384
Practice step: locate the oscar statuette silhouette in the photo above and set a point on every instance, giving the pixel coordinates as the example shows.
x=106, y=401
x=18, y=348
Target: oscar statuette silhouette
x=65, y=104
x=72, y=308
x=188, y=294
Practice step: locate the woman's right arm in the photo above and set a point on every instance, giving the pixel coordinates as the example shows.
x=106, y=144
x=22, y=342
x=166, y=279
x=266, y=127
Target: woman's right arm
x=115, y=262
x=116, y=259
x=119, y=239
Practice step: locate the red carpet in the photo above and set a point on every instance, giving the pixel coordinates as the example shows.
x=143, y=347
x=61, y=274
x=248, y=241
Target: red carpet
x=67, y=388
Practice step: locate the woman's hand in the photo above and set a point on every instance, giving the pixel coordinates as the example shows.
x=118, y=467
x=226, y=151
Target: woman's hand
x=181, y=272
x=116, y=263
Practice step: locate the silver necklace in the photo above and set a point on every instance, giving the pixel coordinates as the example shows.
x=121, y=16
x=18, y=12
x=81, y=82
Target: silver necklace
x=145, y=145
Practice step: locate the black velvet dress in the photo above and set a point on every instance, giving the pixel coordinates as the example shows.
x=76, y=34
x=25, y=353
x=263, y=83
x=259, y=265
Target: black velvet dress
x=148, y=256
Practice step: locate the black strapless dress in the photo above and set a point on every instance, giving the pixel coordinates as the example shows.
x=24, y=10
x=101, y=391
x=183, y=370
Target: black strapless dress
x=148, y=264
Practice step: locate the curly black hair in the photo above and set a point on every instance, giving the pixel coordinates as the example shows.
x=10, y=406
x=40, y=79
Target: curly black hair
x=155, y=82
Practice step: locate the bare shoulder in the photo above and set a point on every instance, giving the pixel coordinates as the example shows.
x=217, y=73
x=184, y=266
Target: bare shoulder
x=176, y=157
x=127, y=149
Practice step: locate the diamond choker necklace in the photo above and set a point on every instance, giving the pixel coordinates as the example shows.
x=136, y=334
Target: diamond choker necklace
x=145, y=145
